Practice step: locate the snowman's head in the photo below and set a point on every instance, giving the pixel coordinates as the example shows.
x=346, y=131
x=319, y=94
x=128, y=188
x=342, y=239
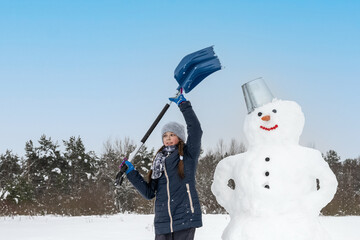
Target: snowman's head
x=275, y=122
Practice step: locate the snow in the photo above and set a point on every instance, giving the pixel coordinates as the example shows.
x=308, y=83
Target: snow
x=57, y=170
x=3, y=193
x=275, y=180
x=45, y=154
x=135, y=227
x=88, y=175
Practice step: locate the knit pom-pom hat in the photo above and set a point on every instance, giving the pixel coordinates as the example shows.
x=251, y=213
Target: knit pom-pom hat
x=176, y=128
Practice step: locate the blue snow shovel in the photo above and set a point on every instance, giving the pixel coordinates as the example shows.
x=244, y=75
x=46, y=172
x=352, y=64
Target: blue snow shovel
x=192, y=69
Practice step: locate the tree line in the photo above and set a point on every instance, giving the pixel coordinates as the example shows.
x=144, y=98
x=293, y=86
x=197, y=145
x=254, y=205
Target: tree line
x=73, y=181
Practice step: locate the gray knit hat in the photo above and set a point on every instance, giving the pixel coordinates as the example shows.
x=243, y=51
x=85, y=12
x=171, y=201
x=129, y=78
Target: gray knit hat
x=176, y=128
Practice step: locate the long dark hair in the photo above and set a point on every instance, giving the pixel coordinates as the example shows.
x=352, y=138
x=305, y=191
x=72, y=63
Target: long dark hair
x=181, y=173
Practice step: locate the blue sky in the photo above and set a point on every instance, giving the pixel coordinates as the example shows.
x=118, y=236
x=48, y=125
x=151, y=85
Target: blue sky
x=104, y=69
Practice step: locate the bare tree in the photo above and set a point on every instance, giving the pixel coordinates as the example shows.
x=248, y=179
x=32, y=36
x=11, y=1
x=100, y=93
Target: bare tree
x=236, y=147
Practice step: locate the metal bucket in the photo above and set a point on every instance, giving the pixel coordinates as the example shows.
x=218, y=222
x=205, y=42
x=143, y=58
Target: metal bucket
x=256, y=94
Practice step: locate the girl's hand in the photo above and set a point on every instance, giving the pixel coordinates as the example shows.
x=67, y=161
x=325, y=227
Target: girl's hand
x=178, y=100
x=126, y=166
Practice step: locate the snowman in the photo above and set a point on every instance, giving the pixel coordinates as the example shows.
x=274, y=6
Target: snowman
x=280, y=186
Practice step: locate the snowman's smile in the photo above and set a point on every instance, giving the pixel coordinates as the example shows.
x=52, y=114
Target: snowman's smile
x=269, y=129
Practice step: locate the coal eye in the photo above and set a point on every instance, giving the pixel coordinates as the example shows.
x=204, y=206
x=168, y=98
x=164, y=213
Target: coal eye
x=259, y=114
x=274, y=111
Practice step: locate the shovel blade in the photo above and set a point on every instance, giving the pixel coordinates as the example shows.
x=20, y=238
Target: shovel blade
x=198, y=73
x=185, y=69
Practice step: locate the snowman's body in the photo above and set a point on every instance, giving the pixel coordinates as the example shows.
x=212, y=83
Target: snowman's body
x=276, y=195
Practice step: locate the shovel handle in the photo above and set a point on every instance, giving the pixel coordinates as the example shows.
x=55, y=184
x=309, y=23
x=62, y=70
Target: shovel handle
x=157, y=120
x=120, y=176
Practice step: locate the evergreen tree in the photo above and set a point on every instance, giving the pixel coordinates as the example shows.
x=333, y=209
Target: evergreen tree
x=126, y=197
x=114, y=154
x=333, y=160
x=204, y=180
x=333, y=208
x=9, y=175
x=351, y=186
x=143, y=160
x=15, y=192
x=44, y=171
x=81, y=171
x=142, y=163
x=82, y=165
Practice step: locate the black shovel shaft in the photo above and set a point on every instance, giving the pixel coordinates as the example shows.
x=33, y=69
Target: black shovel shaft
x=155, y=123
x=120, y=176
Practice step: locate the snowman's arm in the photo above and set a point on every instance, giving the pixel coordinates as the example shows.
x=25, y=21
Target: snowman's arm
x=327, y=180
x=219, y=187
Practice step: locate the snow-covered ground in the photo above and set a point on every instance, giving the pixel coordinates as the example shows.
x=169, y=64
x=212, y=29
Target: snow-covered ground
x=134, y=227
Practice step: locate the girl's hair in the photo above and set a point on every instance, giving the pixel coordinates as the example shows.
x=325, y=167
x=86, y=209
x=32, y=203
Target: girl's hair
x=181, y=173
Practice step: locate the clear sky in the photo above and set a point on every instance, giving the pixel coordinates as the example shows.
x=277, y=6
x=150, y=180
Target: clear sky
x=104, y=69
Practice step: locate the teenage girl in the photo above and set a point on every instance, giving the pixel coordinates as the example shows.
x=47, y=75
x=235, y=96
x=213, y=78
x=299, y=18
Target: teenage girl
x=172, y=178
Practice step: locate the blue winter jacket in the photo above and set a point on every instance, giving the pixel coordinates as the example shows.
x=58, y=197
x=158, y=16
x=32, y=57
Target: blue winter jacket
x=177, y=205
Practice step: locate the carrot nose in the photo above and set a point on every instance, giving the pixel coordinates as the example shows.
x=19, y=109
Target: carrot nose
x=266, y=118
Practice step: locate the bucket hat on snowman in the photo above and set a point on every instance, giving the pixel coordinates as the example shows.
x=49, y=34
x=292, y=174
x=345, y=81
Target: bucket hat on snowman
x=256, y=94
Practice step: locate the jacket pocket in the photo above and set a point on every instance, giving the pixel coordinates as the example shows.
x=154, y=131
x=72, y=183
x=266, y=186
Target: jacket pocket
x=190, y=199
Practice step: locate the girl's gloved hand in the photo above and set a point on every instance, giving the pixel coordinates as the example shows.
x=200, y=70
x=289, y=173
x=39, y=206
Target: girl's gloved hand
x=130, y=166
x=178, y=100
x=126, y=166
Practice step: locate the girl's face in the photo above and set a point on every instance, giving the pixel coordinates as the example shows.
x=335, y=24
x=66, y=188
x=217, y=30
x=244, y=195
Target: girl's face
x=170, y=138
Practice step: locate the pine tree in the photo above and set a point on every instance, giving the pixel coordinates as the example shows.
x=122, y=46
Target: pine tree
x=336, y=206
x=351, y=185
x=204, y=180
x=82, y=165
x=126, y=197
x=333, y=159
x=9, y=176
x=82, y=168
x=143, y=160
x=45, y=170
x=114, y=154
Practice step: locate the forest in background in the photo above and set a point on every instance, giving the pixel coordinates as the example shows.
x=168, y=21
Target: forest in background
x=74, y=181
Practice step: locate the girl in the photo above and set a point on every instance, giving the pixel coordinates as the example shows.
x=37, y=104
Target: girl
x=172, y=178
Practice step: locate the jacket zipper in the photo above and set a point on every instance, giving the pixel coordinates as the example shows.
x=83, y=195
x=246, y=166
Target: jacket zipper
x=168, y=193
x=190, y=199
